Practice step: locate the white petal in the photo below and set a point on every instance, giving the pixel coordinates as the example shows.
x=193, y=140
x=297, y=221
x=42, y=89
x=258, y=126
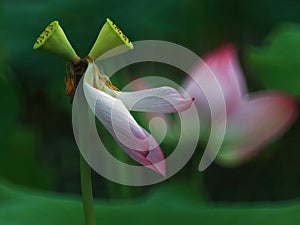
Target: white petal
x=162, y=99
x=92, y=76
x=133, y=139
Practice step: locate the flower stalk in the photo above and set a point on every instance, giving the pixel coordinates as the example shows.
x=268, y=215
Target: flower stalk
x=87, y=192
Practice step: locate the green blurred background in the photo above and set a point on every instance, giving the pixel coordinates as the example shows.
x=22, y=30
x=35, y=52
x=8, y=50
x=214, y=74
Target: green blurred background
x=38, y=153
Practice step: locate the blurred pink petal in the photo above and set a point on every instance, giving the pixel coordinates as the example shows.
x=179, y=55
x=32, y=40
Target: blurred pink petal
x=251, y=123
x=256, y=123
x=223, y=64
x=162, y=99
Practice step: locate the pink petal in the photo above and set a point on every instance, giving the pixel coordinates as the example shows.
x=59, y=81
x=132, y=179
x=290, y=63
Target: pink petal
x=162, y=99
x=255, y=124
x=153, y=159
x=223, y=64
x=133, y=139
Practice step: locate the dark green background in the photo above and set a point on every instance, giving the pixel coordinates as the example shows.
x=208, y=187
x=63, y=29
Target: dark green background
x=37, y=148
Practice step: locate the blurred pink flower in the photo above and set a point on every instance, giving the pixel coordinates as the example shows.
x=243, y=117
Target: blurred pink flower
x=253, y=120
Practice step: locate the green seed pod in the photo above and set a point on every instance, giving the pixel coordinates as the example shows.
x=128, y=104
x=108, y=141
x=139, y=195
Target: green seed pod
x=110, y=37
x=53, y=40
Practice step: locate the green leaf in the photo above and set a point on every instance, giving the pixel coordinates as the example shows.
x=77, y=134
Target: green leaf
x=277, y=64
x=172, y=204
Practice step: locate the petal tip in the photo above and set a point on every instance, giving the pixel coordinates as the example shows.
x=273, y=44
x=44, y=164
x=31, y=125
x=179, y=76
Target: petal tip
x=159, y=168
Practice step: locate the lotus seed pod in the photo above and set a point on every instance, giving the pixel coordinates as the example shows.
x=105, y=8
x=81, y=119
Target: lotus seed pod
x=53, y=40
x=110, y=37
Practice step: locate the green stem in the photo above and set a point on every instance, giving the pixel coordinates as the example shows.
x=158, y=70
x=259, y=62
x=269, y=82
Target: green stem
x=87, y=192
